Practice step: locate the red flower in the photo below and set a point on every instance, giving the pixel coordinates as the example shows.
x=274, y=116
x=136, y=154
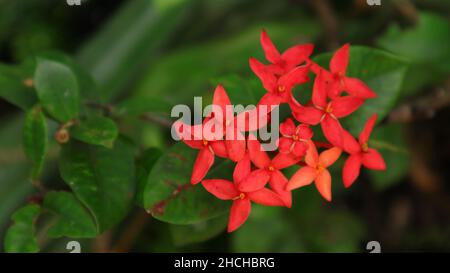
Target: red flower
x=241, y=207
x=294, y=140
x=194, y=137
x=326, y=113
x=279, y=90
x=339, y=81
x=361, y=154
x=283, y=63
x=316, y=170
x=271, y=168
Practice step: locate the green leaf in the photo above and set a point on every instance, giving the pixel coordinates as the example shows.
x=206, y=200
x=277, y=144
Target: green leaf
x=97, y=130
x=383, y=72
x=169, y=195
x=21, y=235
x=143, y=168
x=426, y=46
x=390, y=142
x=13, y=87
x=35, y=138
x=199, y=232
x=136, y=106
x=71, y=218
x=57, y=89
x=101, y=178
x=244, y=91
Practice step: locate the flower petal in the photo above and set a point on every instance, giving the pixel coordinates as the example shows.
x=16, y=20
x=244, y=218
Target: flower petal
x=235, y=143
x=239, y=212
x=296, y=55
x=302, y=177
x=339, y=62
x=194, y=144
x=220, y=188
x=352, y=167
x=312, y=156
x=328, y=157
x=320, y=91
x=285, y=144
x=219, y=148
x=271, y=99
x=358, y=88
x=332, y=131
x=296, y=76
x=278, y=183
x=202, y=164
x=256, y=180
x=351, y=146
x=287, y=128
x=242, y=169
x=257, y=155
x=265, y=197
x=300, y=149
x=281, y=161
x=323, y=184
x=271, y=52
x=268, y=79
x=344, y=106
x=365, y=134
x=304, y=131
x=308, y=115
x=373, y=160
x=222, y=100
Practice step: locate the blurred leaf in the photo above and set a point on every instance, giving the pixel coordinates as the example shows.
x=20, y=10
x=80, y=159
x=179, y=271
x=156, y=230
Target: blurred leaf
x=267, y=230
x=199, y=232
x=246, y=91
x=143, y=169
x=170, y=197
x=382, y=72
x=35, y=138
x=136, y=106
x=194, y=66
x=72, y=219
x=427, y=42
x=426, y=46
x=96, y=130
x=57, y=89
x=101, y=178
x=389, y=141
x=21, y=235
x=142, y=29
x=13, y=87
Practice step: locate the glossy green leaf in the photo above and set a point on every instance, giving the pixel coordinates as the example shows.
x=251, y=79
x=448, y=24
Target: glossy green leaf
x=198, y=232
x=101, y=178
x=35, y=138
x=57, y=89
x=169, y=195
x=13, y=87
x=21, y=235
x=144, y=166
x=383, y=72
x=97, y=130
x=71, y=218
x=390, y=142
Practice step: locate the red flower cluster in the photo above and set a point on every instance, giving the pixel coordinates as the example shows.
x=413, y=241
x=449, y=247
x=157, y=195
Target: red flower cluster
x=334, y=96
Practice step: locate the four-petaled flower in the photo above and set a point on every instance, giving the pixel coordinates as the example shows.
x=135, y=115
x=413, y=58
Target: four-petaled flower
x=283, y=63
x=326, y=113
x=294, y=139
x=241, y=207
x=316, y=170
x=361, y=154
x=271, y=168
x=338, y=80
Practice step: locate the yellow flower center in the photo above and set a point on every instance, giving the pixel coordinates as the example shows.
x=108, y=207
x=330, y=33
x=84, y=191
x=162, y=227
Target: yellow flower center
x=205, y=142
x=240, y=196
x=281, y=88
x=329, y=109
x=320, y=168
x=364, y=147
x=271, y=168
x=295, y=137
